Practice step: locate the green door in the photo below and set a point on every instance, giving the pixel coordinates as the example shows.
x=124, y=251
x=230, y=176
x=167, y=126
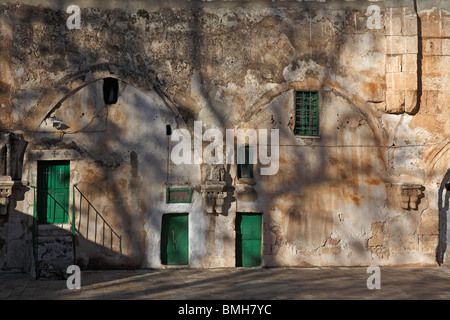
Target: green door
x=174, y=239
x=53, y=191
x=248, y=239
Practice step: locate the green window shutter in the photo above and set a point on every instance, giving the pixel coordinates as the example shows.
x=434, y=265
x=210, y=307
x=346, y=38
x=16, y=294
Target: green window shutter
x=306, y=113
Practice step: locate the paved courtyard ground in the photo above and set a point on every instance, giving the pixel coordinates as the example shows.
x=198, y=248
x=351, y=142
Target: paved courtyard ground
x=236, y=284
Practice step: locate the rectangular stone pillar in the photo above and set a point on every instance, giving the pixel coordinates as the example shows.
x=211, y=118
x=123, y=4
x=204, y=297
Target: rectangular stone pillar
x=402, y=49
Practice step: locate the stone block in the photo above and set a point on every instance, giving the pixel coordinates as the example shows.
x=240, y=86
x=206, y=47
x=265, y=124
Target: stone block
x=431, y=82
x=446, y=81
x=395, y=44
x=393, y=25
x=409, y=80
x=394, y=63
x=409, y=63
x=429, y=102
x=409, y=27
x=442, y=101
x=411, y=44
x=395, y=101
x=410, y=242
x=395, y=81
x=429, y=225
x=445, y=31
x=377, y=238
x=444, y=66
x=430, y=65
x=411, y=102
x=429, y=243
x=330, y=250
x=445, y=47
x=432, y=47
x=431, y=24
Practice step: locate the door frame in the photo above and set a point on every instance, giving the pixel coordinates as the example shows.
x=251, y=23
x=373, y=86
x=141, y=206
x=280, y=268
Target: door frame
x=31, y=166
x=67, y=213
x=165, y=263
x=261, y=237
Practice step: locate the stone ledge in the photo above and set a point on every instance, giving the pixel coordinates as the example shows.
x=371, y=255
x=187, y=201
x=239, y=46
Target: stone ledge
x=63, y=154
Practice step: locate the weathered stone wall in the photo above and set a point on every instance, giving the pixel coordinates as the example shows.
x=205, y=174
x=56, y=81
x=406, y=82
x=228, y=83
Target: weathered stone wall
x=369, y=190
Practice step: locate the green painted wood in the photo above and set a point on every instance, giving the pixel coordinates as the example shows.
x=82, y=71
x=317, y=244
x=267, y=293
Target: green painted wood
x=53, y=191
x=248, y=239
x=306, y=113
x=174, y=239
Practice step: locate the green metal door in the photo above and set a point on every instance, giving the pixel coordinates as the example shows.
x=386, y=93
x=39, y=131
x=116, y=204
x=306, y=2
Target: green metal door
x=174, y=239
x=248, y=239
x=53, y=191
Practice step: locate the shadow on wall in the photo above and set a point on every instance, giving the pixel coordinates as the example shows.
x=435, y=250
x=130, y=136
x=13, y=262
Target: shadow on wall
x=444, y=207
x=85, y=56
x=23, y=242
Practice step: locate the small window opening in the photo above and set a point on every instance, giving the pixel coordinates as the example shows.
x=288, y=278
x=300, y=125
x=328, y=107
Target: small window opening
x=110, y=90
x=245, y=170
x=306, y=113
x=179, y=195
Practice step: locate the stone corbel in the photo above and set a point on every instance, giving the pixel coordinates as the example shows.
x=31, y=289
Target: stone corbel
x=6, y=186
x=410, y=195
x=213, y=196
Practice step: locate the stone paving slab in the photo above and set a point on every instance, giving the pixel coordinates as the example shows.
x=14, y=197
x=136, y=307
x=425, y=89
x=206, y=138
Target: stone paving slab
x=235, y=284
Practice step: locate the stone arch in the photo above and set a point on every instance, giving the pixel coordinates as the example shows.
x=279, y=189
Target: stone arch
x=132, y=200
x=365, y=109
x=437, y=162
x=52, y=98
x=436, y=157
x=444, y=213
x=317, y=84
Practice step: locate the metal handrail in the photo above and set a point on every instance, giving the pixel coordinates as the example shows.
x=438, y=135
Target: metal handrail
x=97, y=214
x=34, y=234
x=35, y=227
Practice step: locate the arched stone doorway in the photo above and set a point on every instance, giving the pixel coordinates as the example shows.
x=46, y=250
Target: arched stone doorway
x=442, y=255
x=118, y=154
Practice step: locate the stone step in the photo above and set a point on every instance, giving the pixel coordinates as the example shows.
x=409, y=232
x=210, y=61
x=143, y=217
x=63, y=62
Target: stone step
x=44, y=254
x=54, y=269
x=54, y=248
x=55, y=251
x=54, y=230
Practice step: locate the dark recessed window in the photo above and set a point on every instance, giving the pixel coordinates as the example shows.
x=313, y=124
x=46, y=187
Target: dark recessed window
x=306, y=113
x=168, y=130
x=245, y=170
x=110, y=90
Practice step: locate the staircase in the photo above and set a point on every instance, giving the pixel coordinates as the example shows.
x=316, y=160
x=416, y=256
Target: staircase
x=54, y=250
x=53, y=244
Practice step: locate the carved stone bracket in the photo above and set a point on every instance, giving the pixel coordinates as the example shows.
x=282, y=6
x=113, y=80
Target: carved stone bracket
x=6, y=186
x=410, y=195
x=213, y=196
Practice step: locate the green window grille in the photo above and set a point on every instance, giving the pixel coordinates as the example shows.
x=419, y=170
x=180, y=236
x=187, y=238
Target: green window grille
x=179, y=195
x=306, y=113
